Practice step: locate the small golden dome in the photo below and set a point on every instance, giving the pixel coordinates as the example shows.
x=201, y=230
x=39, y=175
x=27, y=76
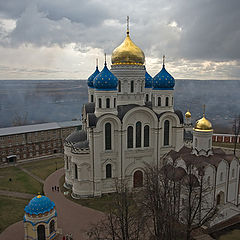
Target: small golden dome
x=203, y=125
x=128, y=53
x=188, y=114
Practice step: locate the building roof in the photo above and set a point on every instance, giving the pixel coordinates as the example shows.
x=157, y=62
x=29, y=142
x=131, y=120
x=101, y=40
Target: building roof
x=38, y=127
x=39, y=205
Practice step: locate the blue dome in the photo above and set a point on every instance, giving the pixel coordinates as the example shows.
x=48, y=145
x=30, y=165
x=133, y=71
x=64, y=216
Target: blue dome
x=105, y=80
x=148, y=80
x=90, y=79
x=163, y=80
x=39, y=205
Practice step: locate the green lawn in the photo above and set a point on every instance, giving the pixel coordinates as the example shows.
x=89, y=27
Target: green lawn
x=233, y=235
x=43, y=168
x=101, y=203
x=11, y=211
x=20, y=181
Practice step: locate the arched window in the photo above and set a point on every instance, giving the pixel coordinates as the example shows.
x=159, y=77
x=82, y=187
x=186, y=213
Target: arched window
x=221, y=176
x=132, y=86
x=108, y=103
x=119, y=86
x=108, y=171
x=147, y=98
x=167, y=101
x=146, y=136
x=100, y=103
x=138, y=134
x=130, y=137
x=209, y=143
x=233, y=173
x=108, y=136
x=138, y=179
x=159, y=101
x=195, y=142
x=52, y=226
x=114, y=102
x=41, y=232
x=76, y=171
x=166, y=133
x=91, y=98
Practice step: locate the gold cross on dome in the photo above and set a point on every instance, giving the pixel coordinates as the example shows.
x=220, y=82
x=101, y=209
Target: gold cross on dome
x=204, y=108
x=127, y=24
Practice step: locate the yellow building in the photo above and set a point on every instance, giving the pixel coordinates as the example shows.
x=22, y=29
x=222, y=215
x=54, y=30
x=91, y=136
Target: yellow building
x=40, y=219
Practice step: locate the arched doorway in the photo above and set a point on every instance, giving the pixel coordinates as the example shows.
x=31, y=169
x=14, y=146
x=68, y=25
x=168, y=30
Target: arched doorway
x=138, y=179
x=41, y=232
x=220, y=198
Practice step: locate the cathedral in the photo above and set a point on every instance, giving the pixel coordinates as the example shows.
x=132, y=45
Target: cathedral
x=129, y=121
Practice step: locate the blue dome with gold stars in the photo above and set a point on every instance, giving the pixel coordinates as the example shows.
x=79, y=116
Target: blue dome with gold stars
x=148, y=80
x=90, y=79
x=105, y=80
x=163, y=80
x=39, y=205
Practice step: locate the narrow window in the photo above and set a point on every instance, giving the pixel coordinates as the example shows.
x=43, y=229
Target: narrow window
x=146, y=136
x=221, y=176
x=138, y=134
x=108, y=137
x=167, y=101
x=147, y=98
x=159, y=101
x=67, y=164
x=114, y=102
x=119, y=86
x=130, y=137
x=172, y=101
x=76, y=171
x=208, y=180
x=108, y=171
x=108, y=103
x=233, y=173
x=52, y=226
x=209, y=143
x=166, y=133
x=100, y=103
x=91, y=98
x=195, y=142
x=132, y=86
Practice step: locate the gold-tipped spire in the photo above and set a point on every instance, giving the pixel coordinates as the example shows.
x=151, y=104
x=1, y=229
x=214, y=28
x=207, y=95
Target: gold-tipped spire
x=203, y=125
x=128, y=52
x=163, y=60
x=127, y=25
x=188, y=114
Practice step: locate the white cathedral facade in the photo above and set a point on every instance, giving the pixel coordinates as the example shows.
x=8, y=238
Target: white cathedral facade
x=129, y=121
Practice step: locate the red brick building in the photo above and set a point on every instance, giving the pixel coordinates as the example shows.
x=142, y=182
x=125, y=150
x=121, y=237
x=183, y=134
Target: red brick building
x=29, y=141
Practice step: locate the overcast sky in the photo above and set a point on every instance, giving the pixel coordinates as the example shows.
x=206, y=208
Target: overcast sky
x=60, y=39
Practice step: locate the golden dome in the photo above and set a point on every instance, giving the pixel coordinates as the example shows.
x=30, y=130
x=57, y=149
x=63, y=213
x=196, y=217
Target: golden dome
x=128, y=53
x=203, y=125
x=188, y=114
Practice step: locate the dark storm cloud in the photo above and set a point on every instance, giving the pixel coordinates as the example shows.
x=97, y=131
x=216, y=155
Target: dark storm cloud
x=203, y=29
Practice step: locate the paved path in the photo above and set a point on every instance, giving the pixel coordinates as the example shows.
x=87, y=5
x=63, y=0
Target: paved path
x=16, y=194
x=30, y=174
x=72, y=217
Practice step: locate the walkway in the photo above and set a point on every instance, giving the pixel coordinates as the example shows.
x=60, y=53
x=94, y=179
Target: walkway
x=72, y=217
x=16, y=194
x=30, y=174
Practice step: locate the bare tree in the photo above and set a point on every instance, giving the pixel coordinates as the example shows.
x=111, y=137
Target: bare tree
x=198, y=205
x=236, y=131
x=124, y=220
x=161, y=203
